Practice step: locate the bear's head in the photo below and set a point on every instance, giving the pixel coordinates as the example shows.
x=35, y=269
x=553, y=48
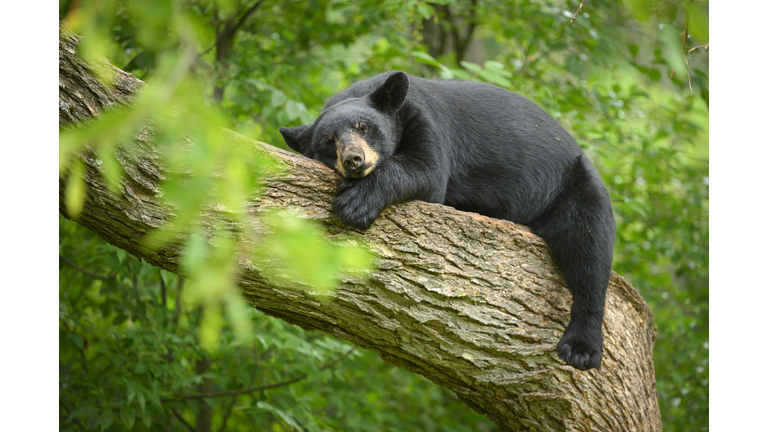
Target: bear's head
x=354, y=135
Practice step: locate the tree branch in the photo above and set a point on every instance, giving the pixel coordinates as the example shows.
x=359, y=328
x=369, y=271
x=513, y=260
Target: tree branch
x=88, y=272
x=581, y=5
x=260, y=388
x=472, y=303
x=704, y=47
x=245, y=16
x=181, y=419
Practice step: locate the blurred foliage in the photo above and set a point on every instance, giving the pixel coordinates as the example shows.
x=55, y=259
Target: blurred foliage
x=129, y=360
x=629, y=81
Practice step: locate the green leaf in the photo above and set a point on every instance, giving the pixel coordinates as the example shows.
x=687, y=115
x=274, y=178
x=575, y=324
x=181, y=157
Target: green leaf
x=472, y=67
x=633, y=49
x=121, y=255
x=142, y=400
x=296, y=252
x=238, y=313
x=112, y=171
x=698, y=22
x=128, y=416
x=210, y=327
x=75, y=190
x=672, y=51
x=653, y=74
x=106, y=418
x=495, y=78
x=131, y=391
x=641, y=9
x=285, y=416
x=278, y=98
x=424, y=10
x=85, y=411
x=293, y=110
x=154, y=397
x=425, y=58
x=77, y=339
x=146, y=416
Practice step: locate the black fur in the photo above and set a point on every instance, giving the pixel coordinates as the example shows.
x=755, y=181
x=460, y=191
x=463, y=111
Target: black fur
x=480, y=148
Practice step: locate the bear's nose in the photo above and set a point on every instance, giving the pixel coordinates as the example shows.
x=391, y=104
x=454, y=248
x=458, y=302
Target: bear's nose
x=353, y=161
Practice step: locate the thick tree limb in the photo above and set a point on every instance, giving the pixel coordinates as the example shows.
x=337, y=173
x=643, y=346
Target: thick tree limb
x=472, y=303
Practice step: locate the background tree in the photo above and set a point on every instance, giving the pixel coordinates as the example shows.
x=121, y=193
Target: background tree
x=619, y=85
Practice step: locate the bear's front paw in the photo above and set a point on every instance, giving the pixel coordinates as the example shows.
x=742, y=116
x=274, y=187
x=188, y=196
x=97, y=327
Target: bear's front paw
x=581, y=348
x=357, y=204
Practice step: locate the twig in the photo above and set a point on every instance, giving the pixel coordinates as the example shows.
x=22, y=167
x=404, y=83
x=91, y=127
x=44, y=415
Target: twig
x=581, y=5
x=177, y=309
x=659, y=6
x=704, y=47
x=89, y=273
x=246, y=15
x=228, y=411
x=260, y=388
x=163, y=294
x=235, y=392
x=347, y=354
x=181, y=419
x=683, y=40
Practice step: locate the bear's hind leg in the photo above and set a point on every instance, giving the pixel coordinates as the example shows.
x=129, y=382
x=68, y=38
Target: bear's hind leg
x=580, y=232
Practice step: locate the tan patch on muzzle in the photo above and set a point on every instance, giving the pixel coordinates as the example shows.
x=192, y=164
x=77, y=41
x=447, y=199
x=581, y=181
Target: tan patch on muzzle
x=351, y=141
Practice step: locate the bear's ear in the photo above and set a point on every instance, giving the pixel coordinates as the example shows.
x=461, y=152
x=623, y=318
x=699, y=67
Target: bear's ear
x=295, y=139
x=389, y=97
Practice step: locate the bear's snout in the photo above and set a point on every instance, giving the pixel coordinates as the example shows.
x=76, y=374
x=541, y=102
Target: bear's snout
x=355, y=158
x=352, y=162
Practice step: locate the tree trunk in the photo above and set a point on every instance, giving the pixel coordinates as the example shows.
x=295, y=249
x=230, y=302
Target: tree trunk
x=473, y=303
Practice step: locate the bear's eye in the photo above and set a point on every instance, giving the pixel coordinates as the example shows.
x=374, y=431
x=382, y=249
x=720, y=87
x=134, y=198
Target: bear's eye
x=330, y=142
x=362, y=128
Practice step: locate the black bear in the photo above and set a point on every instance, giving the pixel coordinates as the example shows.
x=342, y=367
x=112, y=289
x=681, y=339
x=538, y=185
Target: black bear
x=479, y=148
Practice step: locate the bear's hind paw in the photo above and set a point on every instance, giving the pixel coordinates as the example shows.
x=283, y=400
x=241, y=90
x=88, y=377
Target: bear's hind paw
x=579, y=352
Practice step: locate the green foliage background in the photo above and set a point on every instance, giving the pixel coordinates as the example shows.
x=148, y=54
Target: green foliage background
x=141, y=349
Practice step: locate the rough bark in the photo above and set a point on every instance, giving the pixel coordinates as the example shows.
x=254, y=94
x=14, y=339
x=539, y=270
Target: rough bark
x=472, y=303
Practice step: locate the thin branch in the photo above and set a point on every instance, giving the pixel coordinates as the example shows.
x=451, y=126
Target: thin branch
x=683, y=40
x=462, y=43
x=163, y=293
x=125, y=38
x=177, y=309
x=659, y=6
x=260, y=388
x=181, y=419
x=246, y=15
x=89, y=273
x=704, y=47
x=581, y=5
x=229, y=29
x=236, y=392
x=347, y=354
x=228, y=411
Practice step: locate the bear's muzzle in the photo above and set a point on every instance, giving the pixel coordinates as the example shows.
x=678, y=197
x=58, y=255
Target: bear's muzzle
x=354, y=157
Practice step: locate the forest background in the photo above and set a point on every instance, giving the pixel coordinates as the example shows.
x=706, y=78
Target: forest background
x=615, y=77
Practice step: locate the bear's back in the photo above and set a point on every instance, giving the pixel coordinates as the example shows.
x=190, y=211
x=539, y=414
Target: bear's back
x=475, y=113
x=485, y=132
